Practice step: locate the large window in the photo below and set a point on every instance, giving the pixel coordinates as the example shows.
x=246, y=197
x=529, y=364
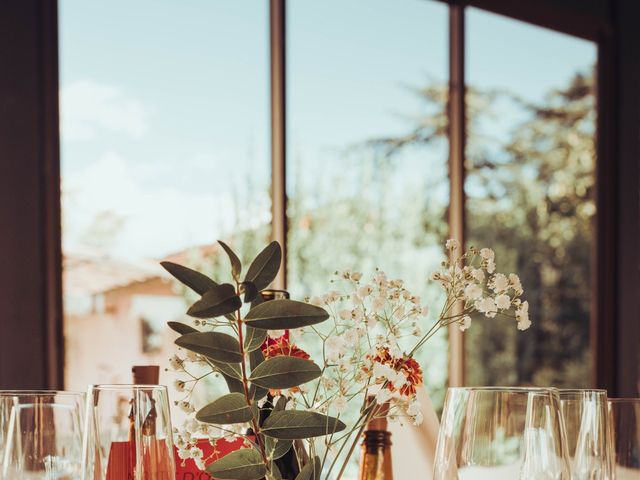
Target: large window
x=164, y=112
x=530, y=193
x=165, y=148
x=366, y=190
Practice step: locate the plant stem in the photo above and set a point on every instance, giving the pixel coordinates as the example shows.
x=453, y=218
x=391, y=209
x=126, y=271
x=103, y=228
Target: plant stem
x=245, y=385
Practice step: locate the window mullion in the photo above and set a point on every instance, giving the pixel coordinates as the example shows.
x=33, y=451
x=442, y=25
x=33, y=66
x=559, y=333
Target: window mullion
x=278, y=132
x=456, y=168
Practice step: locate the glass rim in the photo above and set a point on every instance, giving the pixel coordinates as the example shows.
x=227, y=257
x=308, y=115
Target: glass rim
x=125, y=386
x=505, y=389
x=582, y=390
x=40, y=393
x=624, y=400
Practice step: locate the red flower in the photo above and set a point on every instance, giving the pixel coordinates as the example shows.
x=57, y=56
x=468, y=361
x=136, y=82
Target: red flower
x=281, y=346
x=406, y=365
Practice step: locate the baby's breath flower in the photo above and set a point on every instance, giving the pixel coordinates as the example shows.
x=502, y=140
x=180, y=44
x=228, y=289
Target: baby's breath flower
x=503, y=301
x=487, y=306
x=465, y=323
x=487, y=254
x=452, y=244
x=472, y=292
x=499, y=282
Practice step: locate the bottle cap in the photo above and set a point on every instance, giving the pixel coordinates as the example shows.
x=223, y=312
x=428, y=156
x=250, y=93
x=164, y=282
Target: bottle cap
x=146, y=374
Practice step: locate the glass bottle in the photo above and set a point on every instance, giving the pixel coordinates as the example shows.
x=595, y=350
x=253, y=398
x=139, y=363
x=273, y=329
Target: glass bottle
x=375, y=460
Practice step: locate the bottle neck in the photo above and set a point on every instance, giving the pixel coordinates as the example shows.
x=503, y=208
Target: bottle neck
x=376, y=440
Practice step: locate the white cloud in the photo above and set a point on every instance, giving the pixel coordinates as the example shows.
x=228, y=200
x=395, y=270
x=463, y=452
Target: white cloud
x=87, y=106
x=157, y=219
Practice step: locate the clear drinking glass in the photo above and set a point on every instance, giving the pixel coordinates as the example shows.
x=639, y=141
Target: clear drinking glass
x=501, y=433
x=624, y=422
x=588, y=440
x=128, y=434
x=40, y=435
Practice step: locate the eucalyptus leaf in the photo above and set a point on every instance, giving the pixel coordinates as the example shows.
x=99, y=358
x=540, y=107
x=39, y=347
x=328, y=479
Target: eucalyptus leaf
x=228, y=409
x=250, y=291
x=236, y=265
x=299, y=424
x=284, y=372
x=281, y=404
x=181, y=328
x=229, y=369
x=254, y=338
x=274, y=474
x=311, y=471
x=196, y=281
x=243, y=464
x=285, y=314
x=257, y=393
x=214, y=345
x=219, y=300
x=265, y=267
x=255, y=358
x=231, y=374
x=277, y=448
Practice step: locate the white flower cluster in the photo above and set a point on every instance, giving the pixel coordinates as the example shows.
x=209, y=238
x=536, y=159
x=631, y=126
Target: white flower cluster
x=470, y=279
x=366, y=317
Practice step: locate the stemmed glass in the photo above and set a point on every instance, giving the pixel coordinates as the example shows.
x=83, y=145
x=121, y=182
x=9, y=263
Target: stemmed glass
x=128, y=434
x=588, y=439
x=624, y=420
x=40, y=435
x=501, y=433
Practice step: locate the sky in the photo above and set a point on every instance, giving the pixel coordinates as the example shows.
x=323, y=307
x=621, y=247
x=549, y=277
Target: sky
x=165, y=108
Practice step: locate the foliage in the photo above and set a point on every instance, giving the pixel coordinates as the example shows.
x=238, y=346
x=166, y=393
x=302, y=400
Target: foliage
x=280, y=393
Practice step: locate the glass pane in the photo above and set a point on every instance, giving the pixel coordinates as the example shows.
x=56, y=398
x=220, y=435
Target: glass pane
x=530, y=187
x=164, y=150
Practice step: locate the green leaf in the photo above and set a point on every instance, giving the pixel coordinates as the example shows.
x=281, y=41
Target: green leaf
x=299, y=424
x=196, y=281
x=254, y=338
x=236, y=265
x=243, y=464
x=285, y=314
x=230, y=369
x=280, y=404
x=181, y=328
x=277, y=448
x=228, y=409
x=214, y=345
x=284, y=372
x=250, y=291
x=255, y=358
x=219, y=300
x=265, y=267
x=311, y=471
x=231, y=374
x=274, y=474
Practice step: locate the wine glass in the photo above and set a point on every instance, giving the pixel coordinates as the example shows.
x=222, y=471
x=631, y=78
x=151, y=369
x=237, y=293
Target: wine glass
x=624, y=421
x=128, y=434
x=40, y=435
x=588, y=441
x=501, y=433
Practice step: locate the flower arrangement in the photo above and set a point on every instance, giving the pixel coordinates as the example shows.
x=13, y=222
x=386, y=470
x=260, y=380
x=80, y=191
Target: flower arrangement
x=279, y=396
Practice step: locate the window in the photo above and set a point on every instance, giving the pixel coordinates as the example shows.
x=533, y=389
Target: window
x=368, y=146
x=165, y=148
x=530, y=193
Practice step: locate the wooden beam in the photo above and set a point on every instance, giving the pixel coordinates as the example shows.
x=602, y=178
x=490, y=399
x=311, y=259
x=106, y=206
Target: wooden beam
x=277, y=27
x=457, y=134
x=31, y=341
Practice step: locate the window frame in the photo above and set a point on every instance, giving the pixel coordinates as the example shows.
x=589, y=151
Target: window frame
x=558, y=18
